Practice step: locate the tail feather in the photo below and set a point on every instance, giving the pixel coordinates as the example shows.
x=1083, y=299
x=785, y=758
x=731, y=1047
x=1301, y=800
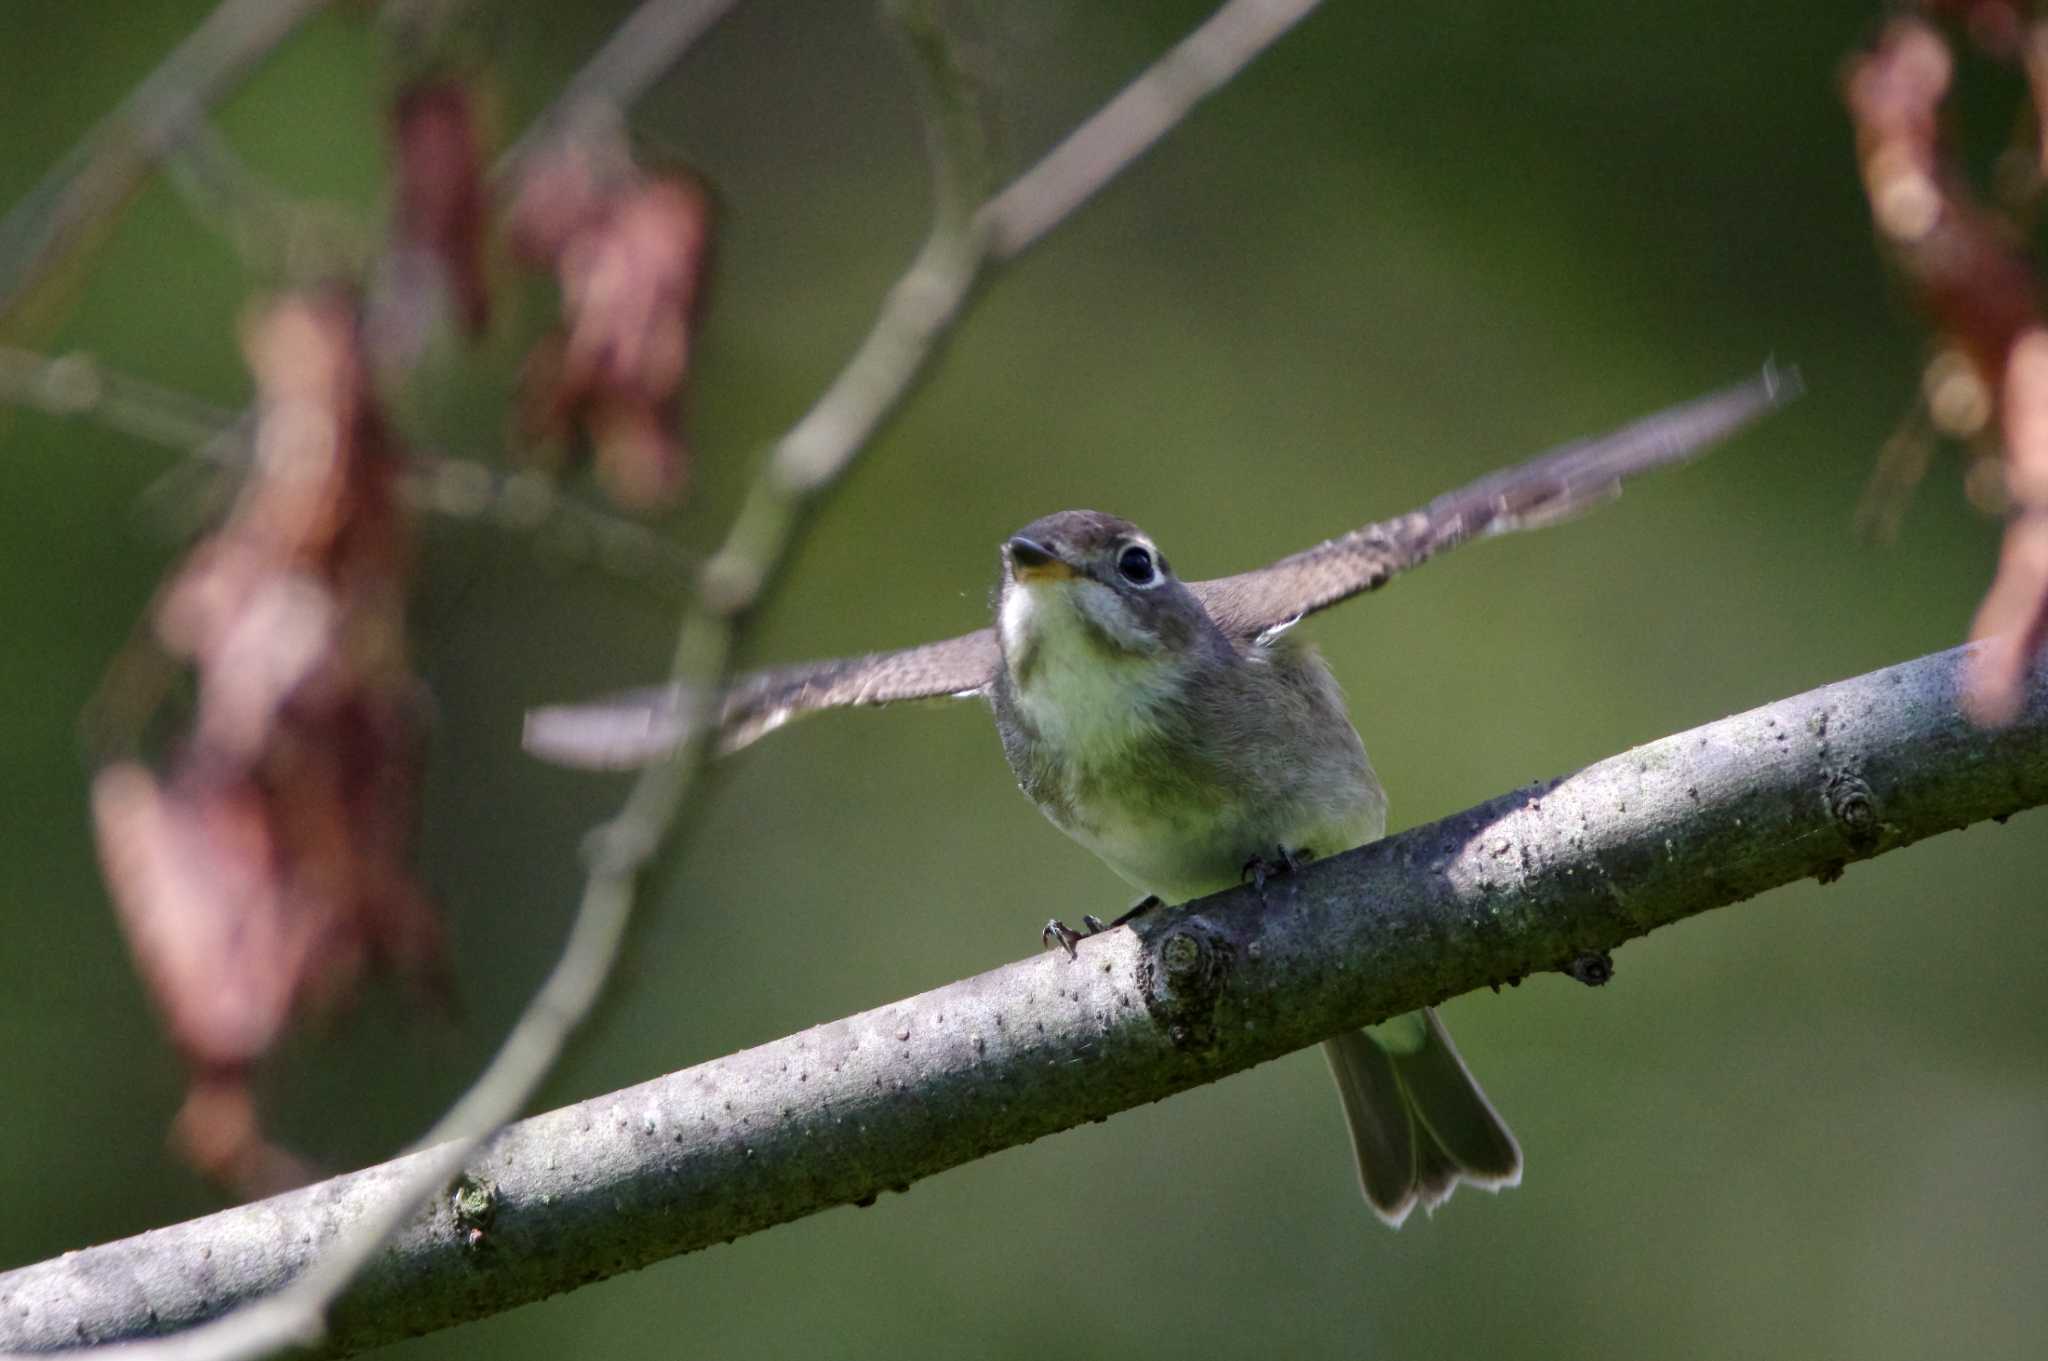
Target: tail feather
x=1447, y=1098
x=1419, y=1123
x=1376, y=1111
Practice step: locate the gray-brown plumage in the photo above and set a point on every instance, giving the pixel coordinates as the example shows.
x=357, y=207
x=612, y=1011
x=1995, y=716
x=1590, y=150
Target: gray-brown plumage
x=635, y=727
x=1553, y=487
x=1183, y=756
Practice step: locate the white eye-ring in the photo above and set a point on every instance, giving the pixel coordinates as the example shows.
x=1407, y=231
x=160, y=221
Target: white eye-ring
x=1137, y=565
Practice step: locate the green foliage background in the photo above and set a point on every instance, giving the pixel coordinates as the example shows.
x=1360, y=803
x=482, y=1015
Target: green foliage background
x=1415, y=242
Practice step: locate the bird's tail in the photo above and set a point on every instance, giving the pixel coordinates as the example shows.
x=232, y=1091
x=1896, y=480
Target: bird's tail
x=1419, y=1123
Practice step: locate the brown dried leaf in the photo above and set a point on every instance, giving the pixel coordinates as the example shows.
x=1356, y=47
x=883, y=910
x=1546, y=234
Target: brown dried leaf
x=271, y=870
x=219, y=1132
x=441, y=208
x=2013, y=620
x=631, y=257
x=194, y=874
x=1971, y=273
x=1965, y=264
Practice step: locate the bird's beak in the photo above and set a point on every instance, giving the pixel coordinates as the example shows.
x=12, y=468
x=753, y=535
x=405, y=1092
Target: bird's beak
x=1031, y=561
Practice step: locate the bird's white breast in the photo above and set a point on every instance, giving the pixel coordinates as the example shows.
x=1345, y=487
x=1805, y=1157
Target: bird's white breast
x=1104, y=714
x=1081, y=700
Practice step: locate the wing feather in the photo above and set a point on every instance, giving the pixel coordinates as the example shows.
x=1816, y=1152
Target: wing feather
x=1552, y=487
x=640, y=726
x=762, y=701
x=636, y=727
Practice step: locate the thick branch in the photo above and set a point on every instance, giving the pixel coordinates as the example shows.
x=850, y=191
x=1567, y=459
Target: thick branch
x=1531, y=881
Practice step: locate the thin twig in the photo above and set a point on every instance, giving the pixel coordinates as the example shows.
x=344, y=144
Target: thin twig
x=820, y=447
x=1126, y=127
x=639, y=52
x=296, y=1316
x=519, y=501
x=82, y=191
x=273, y=234
x=74, y=385
x=1534, y=880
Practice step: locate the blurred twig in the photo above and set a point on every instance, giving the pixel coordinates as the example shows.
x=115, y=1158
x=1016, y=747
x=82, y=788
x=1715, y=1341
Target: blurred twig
x=1534, y=880
x=639, y=52
x=1901, y=464
x=1126, y=127
x=272, y=233
x=75, y=386
x=76, y=201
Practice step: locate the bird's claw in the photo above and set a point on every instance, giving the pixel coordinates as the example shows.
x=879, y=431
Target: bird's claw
x=1258, y=869
x=1058, y=933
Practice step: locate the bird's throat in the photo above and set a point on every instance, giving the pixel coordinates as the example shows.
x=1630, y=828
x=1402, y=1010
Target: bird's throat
x=1082, y=688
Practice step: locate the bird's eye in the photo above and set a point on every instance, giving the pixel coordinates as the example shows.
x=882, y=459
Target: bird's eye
x=1135, y=563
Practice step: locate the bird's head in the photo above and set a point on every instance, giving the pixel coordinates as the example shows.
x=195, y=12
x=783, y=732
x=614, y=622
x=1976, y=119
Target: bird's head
x=1091, y=588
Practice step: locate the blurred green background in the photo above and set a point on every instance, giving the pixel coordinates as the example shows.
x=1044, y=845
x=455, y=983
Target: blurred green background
x=1413, y=243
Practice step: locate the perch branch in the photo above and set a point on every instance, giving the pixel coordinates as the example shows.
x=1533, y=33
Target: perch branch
x=1544, y=878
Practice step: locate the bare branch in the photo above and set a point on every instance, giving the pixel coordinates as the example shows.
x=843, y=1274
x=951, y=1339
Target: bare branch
x=75, y=386
x=639, y=52
x=1544, y=878
x=1126, y=127
x=81, y=191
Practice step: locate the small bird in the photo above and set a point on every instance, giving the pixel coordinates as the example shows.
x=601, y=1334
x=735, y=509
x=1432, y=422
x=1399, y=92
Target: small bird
x=1184, y=733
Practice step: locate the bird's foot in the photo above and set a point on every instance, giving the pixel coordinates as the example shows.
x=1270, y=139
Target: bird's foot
x=1259, y=869
x=1058, y=933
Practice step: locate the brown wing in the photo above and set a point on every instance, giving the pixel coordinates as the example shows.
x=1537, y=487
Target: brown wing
x=1555, y=486
x=639, y=726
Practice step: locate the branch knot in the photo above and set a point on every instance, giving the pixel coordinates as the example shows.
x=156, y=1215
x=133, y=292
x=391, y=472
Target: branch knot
x=1853, y=808
x=1182, y=979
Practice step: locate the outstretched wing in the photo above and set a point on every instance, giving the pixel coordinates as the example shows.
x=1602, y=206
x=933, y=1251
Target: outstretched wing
x=762, y=701
x=639, y=726
x=1555, y=486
